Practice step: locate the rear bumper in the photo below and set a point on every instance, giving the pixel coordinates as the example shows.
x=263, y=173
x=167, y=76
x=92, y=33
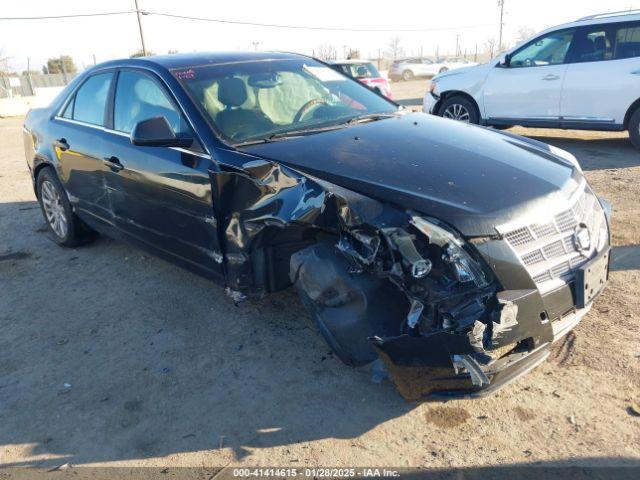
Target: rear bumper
x=427, y=378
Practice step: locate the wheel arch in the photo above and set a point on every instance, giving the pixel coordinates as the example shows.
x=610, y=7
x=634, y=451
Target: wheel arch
x=39, y=165
x=630, y=111
x=460, y=93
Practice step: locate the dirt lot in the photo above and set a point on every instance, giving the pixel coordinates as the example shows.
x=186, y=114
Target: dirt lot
x=108, y=356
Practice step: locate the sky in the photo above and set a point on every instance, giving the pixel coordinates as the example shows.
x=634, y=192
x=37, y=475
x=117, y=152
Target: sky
x=472, y=22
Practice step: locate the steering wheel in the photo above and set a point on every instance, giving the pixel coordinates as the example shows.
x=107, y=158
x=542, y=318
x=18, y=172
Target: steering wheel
x=304, y=108
x=529, y=63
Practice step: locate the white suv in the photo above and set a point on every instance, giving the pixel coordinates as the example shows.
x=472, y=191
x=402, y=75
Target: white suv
x=581, y=75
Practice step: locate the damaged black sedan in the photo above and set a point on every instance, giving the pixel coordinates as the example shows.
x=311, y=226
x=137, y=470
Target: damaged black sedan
x=455, y=255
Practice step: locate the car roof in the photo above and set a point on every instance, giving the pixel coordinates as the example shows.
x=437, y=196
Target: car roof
x=185, y=60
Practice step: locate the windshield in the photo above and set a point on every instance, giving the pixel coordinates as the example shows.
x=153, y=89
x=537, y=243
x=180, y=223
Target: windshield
x=259, y=99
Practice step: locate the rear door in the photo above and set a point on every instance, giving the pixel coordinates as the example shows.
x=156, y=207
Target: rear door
x=528, y=91
x=161, y=197
x=78, y=133
x=603, y=78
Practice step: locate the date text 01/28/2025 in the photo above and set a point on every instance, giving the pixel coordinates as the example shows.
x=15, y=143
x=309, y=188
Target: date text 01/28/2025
x=315, y=472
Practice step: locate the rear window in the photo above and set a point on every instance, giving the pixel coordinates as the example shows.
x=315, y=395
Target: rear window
x=91, y=99
x=606, y=42
x=628, y=42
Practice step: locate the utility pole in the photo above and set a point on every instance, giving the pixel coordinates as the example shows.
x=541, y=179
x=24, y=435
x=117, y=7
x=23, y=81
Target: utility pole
x=33, y=91
x=144, y=49
x=457, y=44
x=501, y=5
x=255, y=45
x=64, y=70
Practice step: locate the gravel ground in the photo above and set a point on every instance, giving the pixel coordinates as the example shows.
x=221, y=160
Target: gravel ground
x=111, y=357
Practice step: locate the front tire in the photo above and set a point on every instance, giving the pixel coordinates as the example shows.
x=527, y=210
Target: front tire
x=459, y=108
x=407, y=75
x=65, y=226
x=443, y=69
x=634, y=128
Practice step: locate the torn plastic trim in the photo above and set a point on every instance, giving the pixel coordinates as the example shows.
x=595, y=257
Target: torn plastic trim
x=468, y=363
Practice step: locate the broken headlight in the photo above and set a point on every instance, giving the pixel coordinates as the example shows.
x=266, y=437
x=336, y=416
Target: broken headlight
x=464, y=267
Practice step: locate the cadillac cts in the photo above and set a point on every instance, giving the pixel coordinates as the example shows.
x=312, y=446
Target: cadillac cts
x=454, y=255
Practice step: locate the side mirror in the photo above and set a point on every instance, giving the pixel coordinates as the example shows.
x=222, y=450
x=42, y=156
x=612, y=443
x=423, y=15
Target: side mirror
x=156, y=132
x=505, y=60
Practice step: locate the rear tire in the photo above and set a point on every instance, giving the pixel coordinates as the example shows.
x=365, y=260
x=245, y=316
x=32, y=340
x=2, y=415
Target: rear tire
x=461, y=109
x=407, y=75
x=65, y=226
x=634, y=128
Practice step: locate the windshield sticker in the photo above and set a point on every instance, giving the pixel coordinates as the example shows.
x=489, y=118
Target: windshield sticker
x=186, y=74
x=325, y=74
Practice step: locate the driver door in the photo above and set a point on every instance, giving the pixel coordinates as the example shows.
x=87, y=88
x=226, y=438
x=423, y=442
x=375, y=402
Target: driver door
x=528, y=90
x=161, y=196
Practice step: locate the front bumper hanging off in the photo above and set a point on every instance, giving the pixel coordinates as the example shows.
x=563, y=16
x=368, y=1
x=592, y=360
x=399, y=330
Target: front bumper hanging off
x=425, y=367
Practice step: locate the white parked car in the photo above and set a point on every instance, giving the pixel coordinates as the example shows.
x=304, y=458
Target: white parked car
x=581, y=75
x=452, y=63
x=409, y=68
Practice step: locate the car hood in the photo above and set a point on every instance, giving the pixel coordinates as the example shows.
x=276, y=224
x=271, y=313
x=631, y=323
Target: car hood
x=471, y=177
x=471, y=69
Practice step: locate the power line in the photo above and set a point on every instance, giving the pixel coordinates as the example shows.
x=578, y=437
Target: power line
x=308, y=27
x=75, y=15
x=252, y=24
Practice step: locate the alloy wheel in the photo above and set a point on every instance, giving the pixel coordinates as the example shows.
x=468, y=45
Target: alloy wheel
x=53, y=209
x=457, y=112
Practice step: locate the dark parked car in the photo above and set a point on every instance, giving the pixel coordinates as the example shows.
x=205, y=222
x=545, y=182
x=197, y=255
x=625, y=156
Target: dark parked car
x=453, y=253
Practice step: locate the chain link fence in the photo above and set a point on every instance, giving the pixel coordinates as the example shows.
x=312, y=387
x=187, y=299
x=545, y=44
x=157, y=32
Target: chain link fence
x=28, y=85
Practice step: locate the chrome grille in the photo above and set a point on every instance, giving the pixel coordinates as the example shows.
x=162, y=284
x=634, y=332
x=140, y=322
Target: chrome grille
x=548, y=249
x=522, y=236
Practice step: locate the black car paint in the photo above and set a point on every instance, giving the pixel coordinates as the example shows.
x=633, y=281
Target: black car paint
x=240, y=215
x=421, y=163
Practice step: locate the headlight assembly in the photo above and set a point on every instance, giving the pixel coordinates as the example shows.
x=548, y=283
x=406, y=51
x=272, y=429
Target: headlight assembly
x=463, y=266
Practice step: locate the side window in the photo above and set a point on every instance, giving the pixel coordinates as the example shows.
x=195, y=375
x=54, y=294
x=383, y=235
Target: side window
x=91, y=99
x=139, y=98
x=68, y=111
x=627, y=42
x=592, y=44
x=550, y=49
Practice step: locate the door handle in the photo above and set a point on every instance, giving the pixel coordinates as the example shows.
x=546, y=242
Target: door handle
x=113, y=163
x=551, y=76
x=62, y=144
